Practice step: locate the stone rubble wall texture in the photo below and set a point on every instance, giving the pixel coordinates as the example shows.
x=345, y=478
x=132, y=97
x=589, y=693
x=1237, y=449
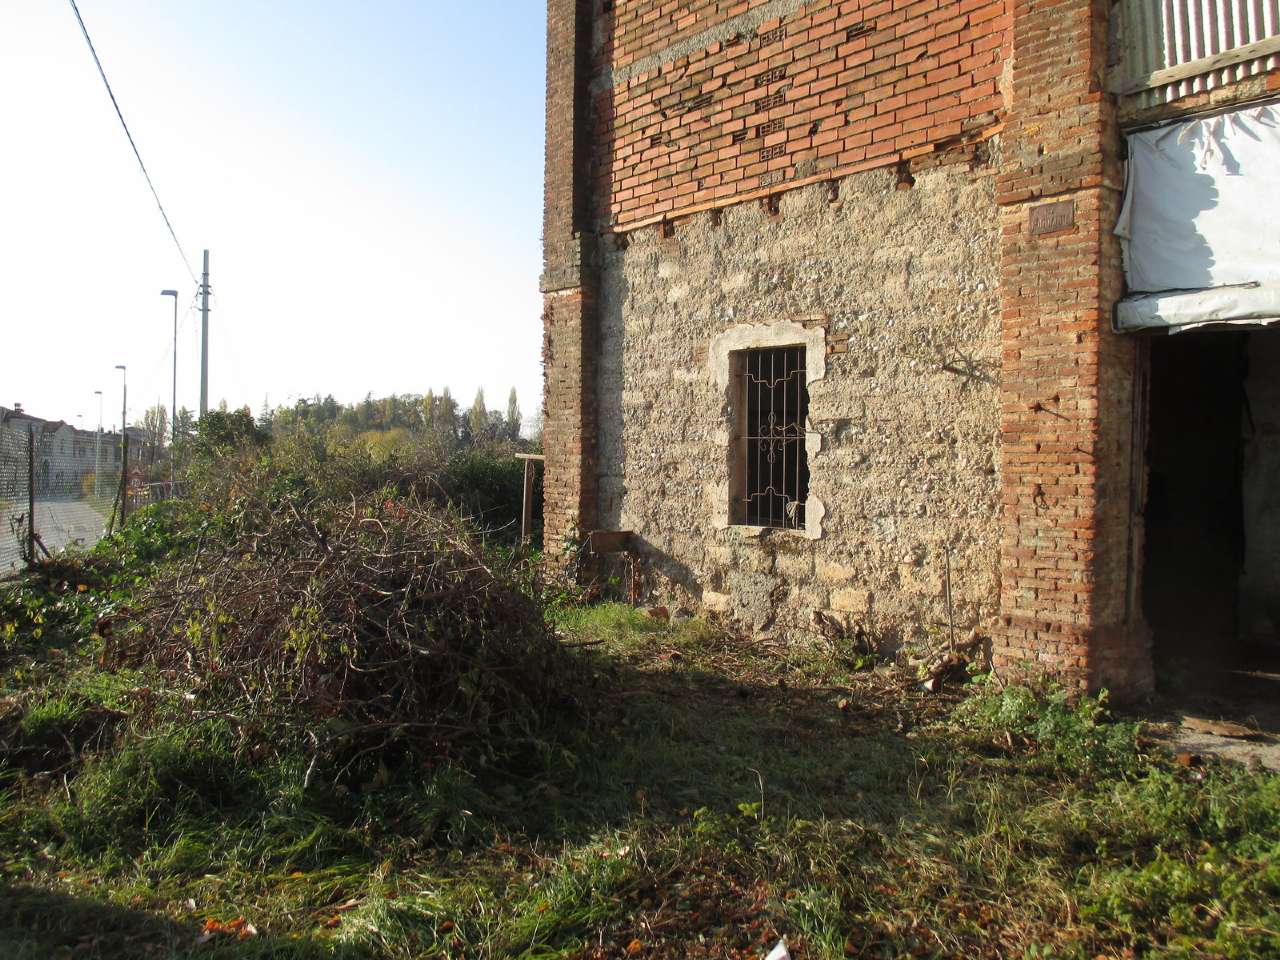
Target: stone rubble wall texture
x=908, y=463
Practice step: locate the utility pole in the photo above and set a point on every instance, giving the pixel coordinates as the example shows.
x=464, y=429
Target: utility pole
x=204, y=337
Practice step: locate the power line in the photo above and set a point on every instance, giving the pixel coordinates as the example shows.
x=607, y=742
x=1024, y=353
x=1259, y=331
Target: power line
x=142, y=166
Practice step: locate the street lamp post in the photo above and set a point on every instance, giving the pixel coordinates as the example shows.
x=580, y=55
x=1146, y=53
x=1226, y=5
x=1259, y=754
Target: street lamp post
x=173, y=407
x=124, y=395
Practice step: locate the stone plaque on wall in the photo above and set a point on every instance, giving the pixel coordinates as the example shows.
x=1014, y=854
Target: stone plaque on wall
x=1052, y=217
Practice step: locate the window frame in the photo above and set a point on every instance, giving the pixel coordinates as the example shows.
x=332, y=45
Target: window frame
x=769, y=437
x=809, y=332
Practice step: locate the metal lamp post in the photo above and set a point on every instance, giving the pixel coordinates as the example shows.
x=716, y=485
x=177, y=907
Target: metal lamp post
x=124, y=395
x=173, y=407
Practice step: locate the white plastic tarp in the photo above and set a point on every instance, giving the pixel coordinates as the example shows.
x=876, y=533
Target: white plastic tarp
x=1200, y=226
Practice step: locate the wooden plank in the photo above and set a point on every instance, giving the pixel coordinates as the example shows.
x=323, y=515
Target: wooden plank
x=536, y=457
x=526, y=511
x=1196, y=68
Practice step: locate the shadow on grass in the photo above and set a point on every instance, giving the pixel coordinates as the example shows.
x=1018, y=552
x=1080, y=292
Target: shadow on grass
x=674, y=727
x=666, y=742
x=40, y=924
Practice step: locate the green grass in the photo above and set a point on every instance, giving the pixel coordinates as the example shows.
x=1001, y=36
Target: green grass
x=715, y=797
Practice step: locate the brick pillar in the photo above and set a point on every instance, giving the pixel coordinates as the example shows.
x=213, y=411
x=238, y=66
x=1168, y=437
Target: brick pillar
x=1068, y=543
x=568, y=284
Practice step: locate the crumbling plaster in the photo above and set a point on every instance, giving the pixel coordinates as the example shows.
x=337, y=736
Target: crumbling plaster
x=907, y=420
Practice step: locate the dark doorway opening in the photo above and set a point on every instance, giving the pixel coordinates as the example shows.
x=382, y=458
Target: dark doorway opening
x=1211, y=569
x=1195, y=507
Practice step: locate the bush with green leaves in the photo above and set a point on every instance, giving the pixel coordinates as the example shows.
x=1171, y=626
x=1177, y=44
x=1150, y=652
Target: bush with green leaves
x=487, y=486
x=1072, y=734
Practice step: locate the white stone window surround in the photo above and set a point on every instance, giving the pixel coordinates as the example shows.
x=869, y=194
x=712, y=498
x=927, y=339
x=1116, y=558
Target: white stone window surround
x=747, y=336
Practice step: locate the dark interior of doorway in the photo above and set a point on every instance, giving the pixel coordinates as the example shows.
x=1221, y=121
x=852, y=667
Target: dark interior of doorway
x=1208, y=421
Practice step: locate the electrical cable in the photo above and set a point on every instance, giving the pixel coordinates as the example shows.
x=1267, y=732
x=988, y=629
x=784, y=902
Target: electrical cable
x=142, y=166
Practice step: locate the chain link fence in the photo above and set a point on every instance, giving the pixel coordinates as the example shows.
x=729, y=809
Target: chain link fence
x=58, y=489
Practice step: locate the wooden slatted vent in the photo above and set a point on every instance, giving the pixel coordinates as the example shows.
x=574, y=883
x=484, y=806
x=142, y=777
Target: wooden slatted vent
x=1166, y=49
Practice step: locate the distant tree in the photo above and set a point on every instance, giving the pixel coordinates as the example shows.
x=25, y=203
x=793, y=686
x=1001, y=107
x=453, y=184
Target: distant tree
x=155, y=426
x=221, y=430
x=478, y=418
x=446, y=417
x=329, y=409
x=184, y=425
x=429, y=410
x=381, y=444
x=496, y=427
x=512, y=424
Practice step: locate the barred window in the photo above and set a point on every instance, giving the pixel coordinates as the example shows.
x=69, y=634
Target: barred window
x=769, y=466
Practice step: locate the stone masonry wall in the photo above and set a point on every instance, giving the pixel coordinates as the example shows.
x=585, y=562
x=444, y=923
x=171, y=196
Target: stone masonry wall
x=908, y=417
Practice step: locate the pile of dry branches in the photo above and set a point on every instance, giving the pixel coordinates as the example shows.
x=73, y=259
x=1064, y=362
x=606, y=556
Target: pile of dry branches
x=380, y=625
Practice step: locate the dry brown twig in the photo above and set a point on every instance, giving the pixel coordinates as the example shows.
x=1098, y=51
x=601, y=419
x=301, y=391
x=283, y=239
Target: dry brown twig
x=380, y=623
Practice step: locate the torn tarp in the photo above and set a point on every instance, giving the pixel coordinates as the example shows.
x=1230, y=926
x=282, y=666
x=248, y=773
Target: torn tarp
x=1244, y=304
x=1200, y=226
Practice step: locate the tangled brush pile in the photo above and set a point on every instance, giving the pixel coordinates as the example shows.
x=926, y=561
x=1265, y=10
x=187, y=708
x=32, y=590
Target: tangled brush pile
x=381, y=625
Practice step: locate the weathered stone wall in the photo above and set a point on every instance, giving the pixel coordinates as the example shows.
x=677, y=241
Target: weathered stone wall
x=908, y=417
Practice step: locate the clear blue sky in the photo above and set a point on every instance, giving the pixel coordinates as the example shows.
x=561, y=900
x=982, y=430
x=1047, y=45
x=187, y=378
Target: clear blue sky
x=366, y=175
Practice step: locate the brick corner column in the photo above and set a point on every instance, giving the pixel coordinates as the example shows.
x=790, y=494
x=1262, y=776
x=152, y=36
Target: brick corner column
x=1070, y=493
x=567, y=286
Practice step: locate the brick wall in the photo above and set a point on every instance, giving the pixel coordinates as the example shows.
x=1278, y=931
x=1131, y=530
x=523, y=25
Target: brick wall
x=1067, y=387
x=567, y=143
x=569, y=323
x=569, y=357
x=699, y=104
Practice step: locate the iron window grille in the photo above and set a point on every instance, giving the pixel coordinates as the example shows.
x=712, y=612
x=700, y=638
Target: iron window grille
x=770, y=468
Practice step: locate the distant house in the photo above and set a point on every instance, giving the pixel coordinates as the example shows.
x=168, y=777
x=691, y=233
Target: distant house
x=64, y=455
x=14, y=427
x=52, y=446
x=17, y=421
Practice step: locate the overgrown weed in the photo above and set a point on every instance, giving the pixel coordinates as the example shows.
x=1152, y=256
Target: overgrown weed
x=714, y=796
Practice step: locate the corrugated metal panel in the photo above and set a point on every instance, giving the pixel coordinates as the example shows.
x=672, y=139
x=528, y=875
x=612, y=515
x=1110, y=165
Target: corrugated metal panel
x=1158, y=34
